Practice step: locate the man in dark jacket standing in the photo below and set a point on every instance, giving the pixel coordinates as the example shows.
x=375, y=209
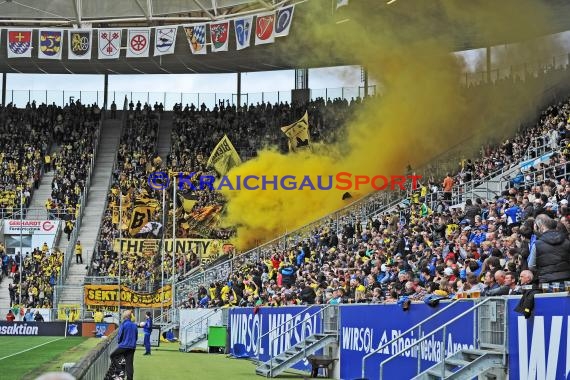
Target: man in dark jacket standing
x=147, y=331
x=552, y=251
x=128, y=333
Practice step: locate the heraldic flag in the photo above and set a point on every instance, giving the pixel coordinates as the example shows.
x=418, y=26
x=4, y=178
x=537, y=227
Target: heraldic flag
x=243, y=28
x=283, y=21
x=51, y=43
x=109, y=43
x=219, y=35
x=142, y=213
x=79, y=44
x=164, y=40
x=19, y=43
x=298, y=134
x=196, y=35
x=224, y=156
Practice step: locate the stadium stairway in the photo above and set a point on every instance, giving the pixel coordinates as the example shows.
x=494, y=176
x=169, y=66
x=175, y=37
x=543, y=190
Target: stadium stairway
x=4, y=296
x=110, y=136
x=299, y=351
x=164, y=135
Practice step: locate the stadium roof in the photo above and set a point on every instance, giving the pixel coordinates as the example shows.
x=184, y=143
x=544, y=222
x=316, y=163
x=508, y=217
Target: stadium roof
x=131, y=13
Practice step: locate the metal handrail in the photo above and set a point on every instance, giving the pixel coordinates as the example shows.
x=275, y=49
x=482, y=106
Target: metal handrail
x=442, y=327
x=277, y=327
x=199, y=321
x=320, y=311
x=417, y=325
x=195, y=322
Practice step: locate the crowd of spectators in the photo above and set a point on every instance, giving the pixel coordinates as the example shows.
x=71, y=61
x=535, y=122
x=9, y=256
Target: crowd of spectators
x=33, y=286
x=25, y=137
x=75, y=132
x=411, y=253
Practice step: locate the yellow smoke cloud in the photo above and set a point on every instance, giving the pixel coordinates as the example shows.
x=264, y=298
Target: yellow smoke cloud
x=422, y=112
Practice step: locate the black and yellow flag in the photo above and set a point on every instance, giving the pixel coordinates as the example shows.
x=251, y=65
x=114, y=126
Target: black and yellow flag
x=142, y=214
x=298, y=134
x=224, y=156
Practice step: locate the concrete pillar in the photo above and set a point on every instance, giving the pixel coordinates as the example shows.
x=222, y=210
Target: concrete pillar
x=4, y=89
x=238, y=89
x=105, y=91
x=301, y=79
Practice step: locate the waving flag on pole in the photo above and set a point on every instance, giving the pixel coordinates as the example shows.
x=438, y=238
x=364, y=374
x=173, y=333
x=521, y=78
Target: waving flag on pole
x=196, y=35
x=109, y=43
x=164, y=40
x=298, y=134
x=19, y=43
x=265, y=28
x=242, y=27
x=138, y=42
x=79, y=44
x=283, y=21
x=51, y=43
x=219, y=35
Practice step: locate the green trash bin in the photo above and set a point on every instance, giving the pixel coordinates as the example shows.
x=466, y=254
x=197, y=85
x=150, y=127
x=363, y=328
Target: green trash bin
x=217, y=336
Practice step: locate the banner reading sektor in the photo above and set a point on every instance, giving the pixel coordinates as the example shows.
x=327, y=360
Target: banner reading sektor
x=108, y=295
x=208, y=250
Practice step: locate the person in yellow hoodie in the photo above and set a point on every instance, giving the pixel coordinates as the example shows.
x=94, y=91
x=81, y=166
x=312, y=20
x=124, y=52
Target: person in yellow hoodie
x=78, y=253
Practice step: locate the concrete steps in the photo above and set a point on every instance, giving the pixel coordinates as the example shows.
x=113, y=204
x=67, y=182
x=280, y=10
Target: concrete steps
x=94, y=209
x=164, y=135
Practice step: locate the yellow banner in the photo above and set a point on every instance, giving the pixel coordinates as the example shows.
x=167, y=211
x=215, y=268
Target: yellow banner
x=298, y=134
x=70, y=312
x=208, y=250
x=108, y=295
x=224, y=156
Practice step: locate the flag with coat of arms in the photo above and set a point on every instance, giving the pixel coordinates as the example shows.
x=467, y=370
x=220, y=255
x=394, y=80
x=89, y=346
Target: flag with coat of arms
x=79, y=43
x=219, y=35
x=51, y=43
x=196, y=35
x=283, y=21
x=242, y=28
x=19, y=43
x=164, y=40
x=265, y=28
x=109, y=43
x=138, y=42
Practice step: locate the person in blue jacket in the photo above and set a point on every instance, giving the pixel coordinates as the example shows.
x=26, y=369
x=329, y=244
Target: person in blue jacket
x=147, y=330
x=127, y=334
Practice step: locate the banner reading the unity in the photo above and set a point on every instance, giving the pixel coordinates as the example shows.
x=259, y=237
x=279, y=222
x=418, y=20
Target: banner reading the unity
x=208, y=250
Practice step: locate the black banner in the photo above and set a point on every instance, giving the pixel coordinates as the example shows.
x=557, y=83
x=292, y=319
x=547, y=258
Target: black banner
x=39, y=329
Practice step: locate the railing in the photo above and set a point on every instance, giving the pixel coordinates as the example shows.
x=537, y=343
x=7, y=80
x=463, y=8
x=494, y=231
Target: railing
x=172, y=316
x=170, y=99
x=443, y=328
x=416, y=326
x=33, y=213
x=330, y=322
x=94, y=366
x=279, y=327
x=185, y=330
